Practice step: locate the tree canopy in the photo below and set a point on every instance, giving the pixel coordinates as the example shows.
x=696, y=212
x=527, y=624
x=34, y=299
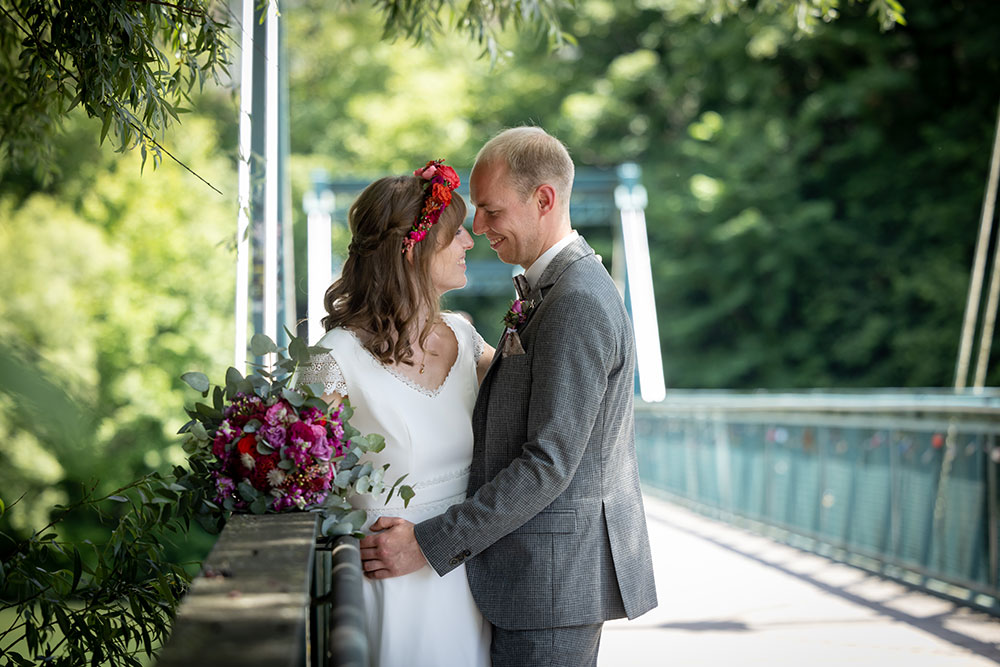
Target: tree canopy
x=133, y=64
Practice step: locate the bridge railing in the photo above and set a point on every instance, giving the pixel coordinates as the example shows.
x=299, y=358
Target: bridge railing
x=901, y=483
x=269, y=595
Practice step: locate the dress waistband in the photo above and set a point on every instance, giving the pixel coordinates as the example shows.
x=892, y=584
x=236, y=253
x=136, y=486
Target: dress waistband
x=425, y=509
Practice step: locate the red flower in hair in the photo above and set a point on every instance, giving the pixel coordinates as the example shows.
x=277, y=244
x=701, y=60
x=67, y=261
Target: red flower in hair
x=440, y=181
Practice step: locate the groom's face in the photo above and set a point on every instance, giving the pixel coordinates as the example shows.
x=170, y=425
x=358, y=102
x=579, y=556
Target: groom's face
x=510, y=223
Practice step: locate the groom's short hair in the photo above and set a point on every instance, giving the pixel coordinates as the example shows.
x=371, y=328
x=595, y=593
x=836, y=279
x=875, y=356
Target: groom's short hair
x=533, y=157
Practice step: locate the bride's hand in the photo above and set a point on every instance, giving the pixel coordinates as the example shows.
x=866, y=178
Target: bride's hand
x=392, y=550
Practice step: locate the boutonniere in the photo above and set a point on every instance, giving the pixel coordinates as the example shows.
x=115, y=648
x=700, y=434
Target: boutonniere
x=515, y=317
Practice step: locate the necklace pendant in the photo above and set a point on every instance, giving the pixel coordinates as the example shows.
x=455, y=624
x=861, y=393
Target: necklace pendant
x=421, y=369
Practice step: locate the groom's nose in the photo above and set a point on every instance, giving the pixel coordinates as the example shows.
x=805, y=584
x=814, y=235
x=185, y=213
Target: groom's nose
x=478, y=226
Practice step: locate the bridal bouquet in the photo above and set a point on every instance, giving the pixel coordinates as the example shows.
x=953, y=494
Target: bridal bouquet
x=263, y=446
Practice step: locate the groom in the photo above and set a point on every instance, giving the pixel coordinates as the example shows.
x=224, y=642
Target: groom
x=553, y=533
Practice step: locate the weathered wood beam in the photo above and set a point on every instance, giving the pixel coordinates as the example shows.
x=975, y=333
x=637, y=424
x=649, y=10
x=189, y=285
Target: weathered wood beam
x=250, y=605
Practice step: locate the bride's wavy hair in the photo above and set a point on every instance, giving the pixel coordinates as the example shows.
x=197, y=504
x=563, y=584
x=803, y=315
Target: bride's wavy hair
x=380, y=292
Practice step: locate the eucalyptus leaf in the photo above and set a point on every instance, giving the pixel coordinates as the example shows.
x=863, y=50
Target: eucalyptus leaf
x=342, y=479
x=298, y=351
x=348, y=462
x=259, y=505
x=362, y=484
x=286, y=464
x=376, y=442
x=197, y=381
x=247, y=492
x=259, y=384
x=356, y=518
x=337, y=529
x=261, y=344
x=198, y=431
x=208, y=411
x=407, y=493
x=317, y=388
x=252, y=426
x=294, y=397
x=264, y=448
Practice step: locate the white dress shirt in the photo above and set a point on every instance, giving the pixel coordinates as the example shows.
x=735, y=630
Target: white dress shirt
x=534, y=272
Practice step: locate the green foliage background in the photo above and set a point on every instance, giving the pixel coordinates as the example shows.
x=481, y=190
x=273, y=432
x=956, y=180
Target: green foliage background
x=814, y=198
x=114, y=284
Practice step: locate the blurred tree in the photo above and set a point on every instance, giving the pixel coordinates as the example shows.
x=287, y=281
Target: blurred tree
x=104, y=298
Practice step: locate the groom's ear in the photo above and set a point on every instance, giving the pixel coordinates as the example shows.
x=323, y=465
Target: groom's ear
x=545, y=197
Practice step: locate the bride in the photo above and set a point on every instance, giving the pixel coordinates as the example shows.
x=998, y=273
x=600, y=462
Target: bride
x=412, y=374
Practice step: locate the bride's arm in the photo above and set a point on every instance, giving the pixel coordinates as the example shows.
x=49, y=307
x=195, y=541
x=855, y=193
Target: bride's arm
x=323, y=369
x=485, y=359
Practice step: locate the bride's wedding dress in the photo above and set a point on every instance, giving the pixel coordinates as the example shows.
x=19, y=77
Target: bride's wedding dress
x=421, y=618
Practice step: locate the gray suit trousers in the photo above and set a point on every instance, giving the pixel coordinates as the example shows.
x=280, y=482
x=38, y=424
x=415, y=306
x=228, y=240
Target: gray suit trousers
x=574, y=646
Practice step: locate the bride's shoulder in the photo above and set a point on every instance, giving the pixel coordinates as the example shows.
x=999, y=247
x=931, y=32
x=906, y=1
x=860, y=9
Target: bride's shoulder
x=335, y=338
x=464, y=331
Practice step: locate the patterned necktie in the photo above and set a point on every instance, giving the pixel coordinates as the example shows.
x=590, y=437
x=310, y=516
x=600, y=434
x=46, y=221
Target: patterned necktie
x=521, y=286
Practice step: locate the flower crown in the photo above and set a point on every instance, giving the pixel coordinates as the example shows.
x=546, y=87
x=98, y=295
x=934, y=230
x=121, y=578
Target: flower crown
x=439, y=181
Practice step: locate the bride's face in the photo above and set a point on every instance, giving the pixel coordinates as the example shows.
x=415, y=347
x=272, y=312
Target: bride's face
x=448, y=263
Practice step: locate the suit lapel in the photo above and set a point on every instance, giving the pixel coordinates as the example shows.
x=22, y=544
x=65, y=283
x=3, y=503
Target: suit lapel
x=576, y=250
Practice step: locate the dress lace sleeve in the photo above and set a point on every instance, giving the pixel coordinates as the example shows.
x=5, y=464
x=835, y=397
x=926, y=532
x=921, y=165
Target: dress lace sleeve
x=324, y=368
x=478, y=344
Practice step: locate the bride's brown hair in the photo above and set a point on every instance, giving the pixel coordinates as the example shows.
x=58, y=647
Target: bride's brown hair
x=380, y=292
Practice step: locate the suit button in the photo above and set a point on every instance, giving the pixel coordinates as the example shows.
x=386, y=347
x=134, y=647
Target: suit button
x=466, y=553
x=454, y=561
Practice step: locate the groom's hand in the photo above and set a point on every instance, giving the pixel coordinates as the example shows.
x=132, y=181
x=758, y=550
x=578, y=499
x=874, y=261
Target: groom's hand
x=393, y=551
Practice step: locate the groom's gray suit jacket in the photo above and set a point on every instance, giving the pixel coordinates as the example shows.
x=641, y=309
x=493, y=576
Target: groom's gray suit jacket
x=553, y=532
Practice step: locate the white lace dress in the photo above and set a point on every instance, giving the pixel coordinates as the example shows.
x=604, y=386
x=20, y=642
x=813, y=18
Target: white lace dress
x=421, y=618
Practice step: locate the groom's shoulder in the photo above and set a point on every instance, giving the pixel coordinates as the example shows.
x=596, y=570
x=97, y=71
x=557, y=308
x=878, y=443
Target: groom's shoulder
x=587, y=277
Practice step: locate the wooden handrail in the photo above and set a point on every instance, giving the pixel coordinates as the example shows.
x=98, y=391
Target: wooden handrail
x=250, y=605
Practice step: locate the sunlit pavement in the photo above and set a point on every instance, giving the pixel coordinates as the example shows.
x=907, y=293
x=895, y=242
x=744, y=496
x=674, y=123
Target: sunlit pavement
x=728, y=597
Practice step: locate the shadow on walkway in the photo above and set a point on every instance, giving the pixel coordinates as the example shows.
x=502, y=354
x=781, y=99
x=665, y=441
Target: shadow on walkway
x=731, y=597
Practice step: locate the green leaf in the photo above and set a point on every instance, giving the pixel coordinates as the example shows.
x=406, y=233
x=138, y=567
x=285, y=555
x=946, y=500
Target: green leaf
x=264, y=448
x=334, y=528
x=362, y=484
x=207, y=410
x=77, y=569
x=316, y=388
x=259, y=505
x=197, y=381
x=261, y=344
x=198, y=431
x=233, y=378
x=294, y=397
x=247, y=492
x=393, y=489
x=356, y=518
x=342, y=479
x=259, y=384
x=376, y=442
x=298, y=351
x=406, y=493
x=3, y=508
x=118, y=499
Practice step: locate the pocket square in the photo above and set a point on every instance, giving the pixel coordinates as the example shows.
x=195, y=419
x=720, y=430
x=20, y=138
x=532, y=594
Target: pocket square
x=511, y=344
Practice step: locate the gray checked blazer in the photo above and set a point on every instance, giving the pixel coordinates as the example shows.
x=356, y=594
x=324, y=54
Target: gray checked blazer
x=553, y=532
